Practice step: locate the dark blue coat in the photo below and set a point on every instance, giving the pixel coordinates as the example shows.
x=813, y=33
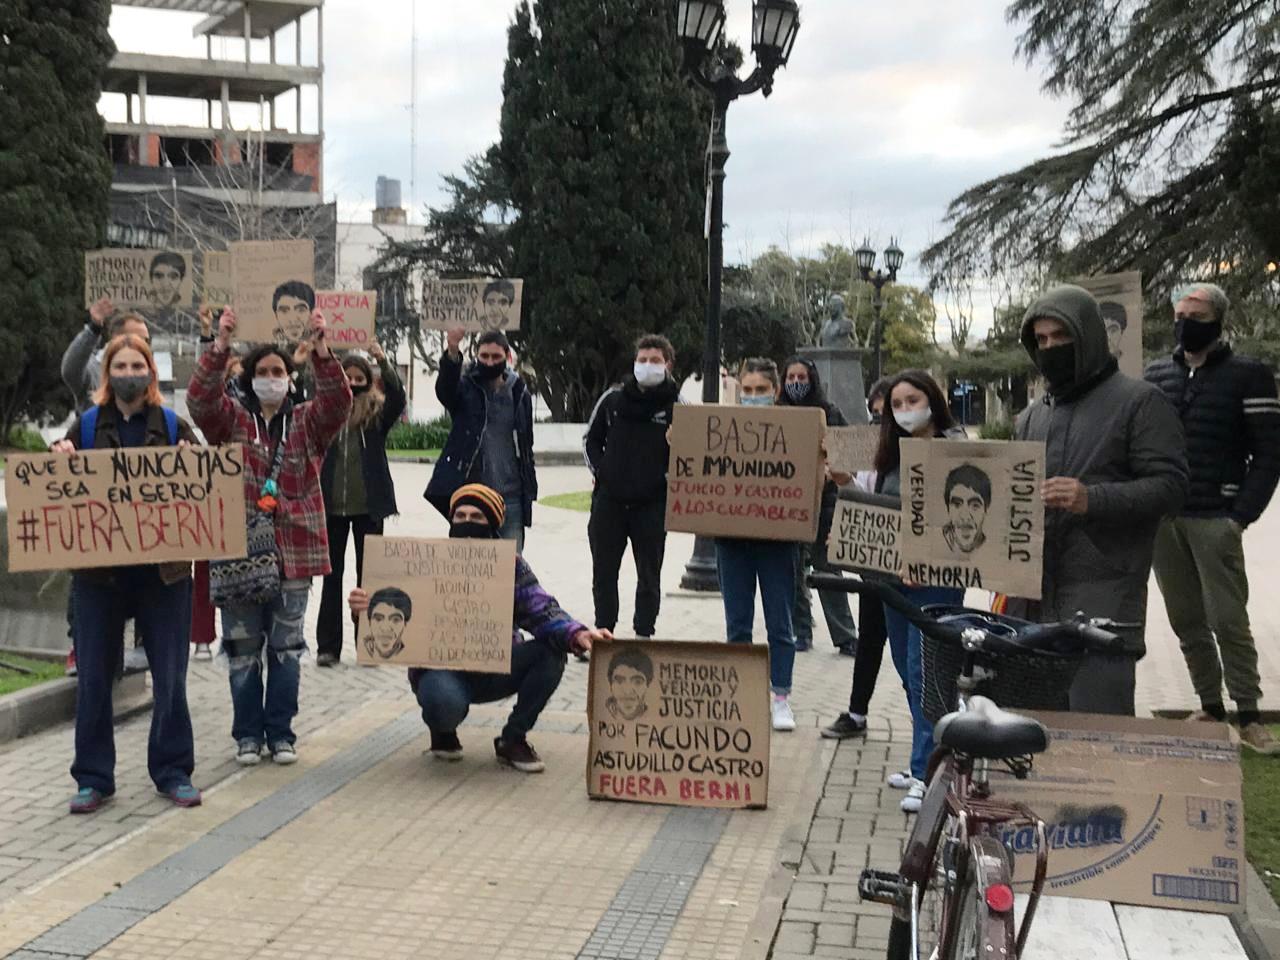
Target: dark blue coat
x=462, y=460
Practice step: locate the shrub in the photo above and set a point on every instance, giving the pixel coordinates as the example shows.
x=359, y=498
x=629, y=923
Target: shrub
x=417, y=435
x=26, y=439
x=996, y=430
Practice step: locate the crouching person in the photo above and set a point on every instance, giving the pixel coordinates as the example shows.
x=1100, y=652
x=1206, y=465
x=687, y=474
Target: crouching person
x=537, y=664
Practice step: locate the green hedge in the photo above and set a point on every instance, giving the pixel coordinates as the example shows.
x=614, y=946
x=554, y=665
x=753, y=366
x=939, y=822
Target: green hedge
x=419, y=436
x=1000, y=430
x=22, y=438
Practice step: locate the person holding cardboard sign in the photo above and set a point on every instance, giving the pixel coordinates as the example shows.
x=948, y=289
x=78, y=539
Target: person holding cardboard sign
x=130, y=413
x=537, y=664
x=1116, y=463
x=744, y=563
x=356, y=480
x=284, y=446
x=802, y=387
x=919, y=409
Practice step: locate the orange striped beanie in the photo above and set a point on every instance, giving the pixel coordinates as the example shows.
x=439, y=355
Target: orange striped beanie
x=486, y=499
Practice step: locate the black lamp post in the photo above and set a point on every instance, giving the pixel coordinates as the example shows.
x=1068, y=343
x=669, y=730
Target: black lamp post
x=866, y=258
x=700, y=25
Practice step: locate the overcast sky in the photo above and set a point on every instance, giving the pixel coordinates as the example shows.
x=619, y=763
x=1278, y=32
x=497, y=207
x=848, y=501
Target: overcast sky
x=886, y=111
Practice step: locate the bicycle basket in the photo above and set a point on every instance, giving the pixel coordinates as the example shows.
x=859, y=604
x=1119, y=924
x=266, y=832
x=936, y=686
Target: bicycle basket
x=1022, y=681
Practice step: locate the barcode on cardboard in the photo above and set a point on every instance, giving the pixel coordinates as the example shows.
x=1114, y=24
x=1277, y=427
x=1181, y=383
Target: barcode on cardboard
x=1195, y=888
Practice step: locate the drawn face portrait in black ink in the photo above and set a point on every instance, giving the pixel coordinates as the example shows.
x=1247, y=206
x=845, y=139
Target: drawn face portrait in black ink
x=968, y=498
x=389, y=612
x=630, y=673
x=498, y=296
x=166, y=275
x=292, y=304
x=1116, y=320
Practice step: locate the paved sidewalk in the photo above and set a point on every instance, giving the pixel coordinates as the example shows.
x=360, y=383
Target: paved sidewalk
x=470, y=860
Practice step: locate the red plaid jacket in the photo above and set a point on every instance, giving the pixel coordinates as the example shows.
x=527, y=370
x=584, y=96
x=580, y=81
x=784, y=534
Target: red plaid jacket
x=301, y=533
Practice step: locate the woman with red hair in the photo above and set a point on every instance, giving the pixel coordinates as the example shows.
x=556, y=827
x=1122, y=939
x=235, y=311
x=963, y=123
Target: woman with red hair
x=129, y=412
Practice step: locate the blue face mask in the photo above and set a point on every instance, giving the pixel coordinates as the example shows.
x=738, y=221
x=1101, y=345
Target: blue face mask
x=763, y=400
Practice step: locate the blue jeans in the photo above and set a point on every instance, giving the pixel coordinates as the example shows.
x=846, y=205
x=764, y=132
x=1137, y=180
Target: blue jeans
x=908, y=658
x=246, y=630
x=741, y=563
x=446, y=695
x=163, y=613
x=513, y=522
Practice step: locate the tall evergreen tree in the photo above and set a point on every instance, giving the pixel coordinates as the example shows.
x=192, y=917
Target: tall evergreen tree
x=602, y=147
x=55, y=182
x=1169, y=160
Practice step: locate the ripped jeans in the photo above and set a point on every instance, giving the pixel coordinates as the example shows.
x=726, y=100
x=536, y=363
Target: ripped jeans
x=246, y=630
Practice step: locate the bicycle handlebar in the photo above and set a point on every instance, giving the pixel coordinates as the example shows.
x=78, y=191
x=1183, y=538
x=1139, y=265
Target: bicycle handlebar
x=1077, y=635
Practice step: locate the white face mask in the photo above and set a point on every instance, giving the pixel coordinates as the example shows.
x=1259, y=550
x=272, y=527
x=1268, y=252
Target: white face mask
x=270, y=390
x=650, y=374
x=913, y=420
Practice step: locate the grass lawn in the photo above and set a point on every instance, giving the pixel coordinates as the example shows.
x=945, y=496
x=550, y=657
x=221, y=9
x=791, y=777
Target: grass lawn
x=1262, y=815
x=412, y=454
x=569, y=501
x=11, y=680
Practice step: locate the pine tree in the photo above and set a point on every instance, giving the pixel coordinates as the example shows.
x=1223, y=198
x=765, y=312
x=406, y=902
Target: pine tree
x=1168, y=164
x=55, y=181
x=602, y=148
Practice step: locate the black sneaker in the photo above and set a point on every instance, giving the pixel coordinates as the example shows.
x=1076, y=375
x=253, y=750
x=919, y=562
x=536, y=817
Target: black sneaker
x=326, y=660
x=847, y=649
x=803, y=646
x=446, y=746
x=518, y=754
x=844, y=728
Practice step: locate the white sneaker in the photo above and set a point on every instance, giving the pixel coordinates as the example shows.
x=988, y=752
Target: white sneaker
x=915, y=797
x=901, y=780
x=783, y=718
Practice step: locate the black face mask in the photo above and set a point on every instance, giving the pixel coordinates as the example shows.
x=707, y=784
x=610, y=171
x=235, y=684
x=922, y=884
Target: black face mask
x=360, y=390
x=875, y=419
x=471, y=530
x=1058, y=365
x=490, y=371
x=1194, y=335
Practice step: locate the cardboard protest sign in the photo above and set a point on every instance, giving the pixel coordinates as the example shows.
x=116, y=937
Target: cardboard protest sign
x=111, y=508
x=474, y=305
x=260, y=269
x=349, y=317
x=679, y=723
x=1120, y=296
x=216, y=280
x=438, y=603
x=972, y=514
x=154, y=279
x=751, y=472
x=850, y=449
x=1146, y=812
x=864, y=534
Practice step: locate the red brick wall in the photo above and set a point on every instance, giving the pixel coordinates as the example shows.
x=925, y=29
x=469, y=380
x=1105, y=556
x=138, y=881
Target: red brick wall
x=306, y=161
x=151, y=154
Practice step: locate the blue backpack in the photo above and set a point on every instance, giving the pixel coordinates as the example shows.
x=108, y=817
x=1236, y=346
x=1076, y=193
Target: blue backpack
x=89, y=427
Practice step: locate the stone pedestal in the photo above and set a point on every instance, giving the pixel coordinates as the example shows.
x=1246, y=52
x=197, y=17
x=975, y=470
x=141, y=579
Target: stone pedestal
x=841, y=371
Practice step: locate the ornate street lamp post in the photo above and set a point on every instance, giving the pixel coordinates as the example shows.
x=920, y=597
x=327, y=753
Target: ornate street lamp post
x=700, y=25
x=866, y=258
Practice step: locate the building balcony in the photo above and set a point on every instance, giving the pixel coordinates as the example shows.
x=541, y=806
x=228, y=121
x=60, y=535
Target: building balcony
x=195, y=78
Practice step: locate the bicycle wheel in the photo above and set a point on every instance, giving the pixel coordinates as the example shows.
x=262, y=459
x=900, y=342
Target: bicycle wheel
x=981, y=925
x=930, y=911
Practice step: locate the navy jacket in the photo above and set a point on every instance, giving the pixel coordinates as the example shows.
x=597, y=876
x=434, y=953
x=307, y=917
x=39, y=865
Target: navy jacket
x=380, y=491
x=462, y=460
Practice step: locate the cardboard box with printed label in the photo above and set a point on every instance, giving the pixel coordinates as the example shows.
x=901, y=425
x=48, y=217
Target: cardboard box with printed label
x=1146, y=812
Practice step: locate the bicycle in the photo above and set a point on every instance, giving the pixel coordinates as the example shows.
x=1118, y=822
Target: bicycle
x=952, y=896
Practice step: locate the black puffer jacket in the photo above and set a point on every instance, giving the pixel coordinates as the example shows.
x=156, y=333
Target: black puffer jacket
x=1231, y=418
x=626, y=441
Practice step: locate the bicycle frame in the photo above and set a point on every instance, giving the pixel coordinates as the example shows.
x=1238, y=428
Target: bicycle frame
x=959, y=788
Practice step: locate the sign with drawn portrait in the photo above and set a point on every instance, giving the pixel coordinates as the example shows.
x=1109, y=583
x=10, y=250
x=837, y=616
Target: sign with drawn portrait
x=273, y=289
x=111, y=508
x=1120, y=297
x=864, y=534
x=752, y=472
x=474, y=305
x=447, y=604
x=679, y=723
x=155, y=280
x=972, y=514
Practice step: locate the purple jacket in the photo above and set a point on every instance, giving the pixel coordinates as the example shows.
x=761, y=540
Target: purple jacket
x=537, y=613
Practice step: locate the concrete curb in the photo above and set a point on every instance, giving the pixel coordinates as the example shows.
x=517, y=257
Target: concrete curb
x=48, y=704
x=1259, y=926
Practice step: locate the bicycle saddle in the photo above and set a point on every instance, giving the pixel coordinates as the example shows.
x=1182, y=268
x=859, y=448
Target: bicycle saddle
x=986, y=732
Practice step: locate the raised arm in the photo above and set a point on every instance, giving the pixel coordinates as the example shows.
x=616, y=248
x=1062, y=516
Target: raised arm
x=396, y=400
x=215, y=413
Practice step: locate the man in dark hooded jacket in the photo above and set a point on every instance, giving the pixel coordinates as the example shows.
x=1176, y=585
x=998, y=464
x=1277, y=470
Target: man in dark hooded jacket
x=626, y=450
x=1116, y=463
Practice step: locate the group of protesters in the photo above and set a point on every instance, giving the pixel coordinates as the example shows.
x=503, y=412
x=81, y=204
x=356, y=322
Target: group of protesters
x=1170, y=470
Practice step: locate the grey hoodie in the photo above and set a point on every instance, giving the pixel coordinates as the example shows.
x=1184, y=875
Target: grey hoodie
x=1120, y=437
